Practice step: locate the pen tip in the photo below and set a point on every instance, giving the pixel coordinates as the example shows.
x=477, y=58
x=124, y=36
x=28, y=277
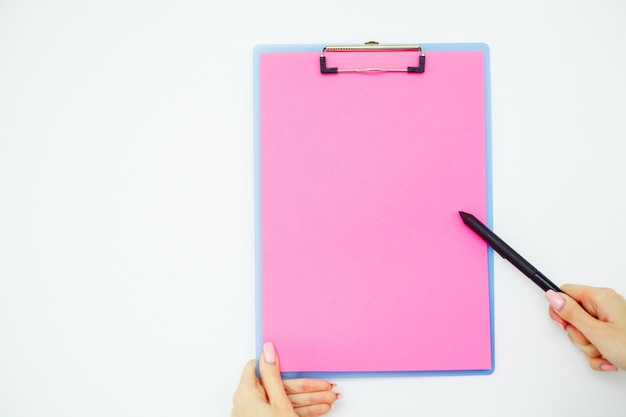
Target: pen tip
x=464, y=215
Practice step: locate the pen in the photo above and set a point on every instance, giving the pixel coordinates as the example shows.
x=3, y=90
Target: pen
x=508, y=253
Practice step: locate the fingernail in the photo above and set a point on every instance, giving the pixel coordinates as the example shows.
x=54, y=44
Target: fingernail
x=269, y=353
x=608, y=367
x=332, y=386
x=560, y=325
x=556, y=301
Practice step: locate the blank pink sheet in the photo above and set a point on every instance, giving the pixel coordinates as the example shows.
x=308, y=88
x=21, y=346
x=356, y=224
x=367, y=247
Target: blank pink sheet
x=365, y=264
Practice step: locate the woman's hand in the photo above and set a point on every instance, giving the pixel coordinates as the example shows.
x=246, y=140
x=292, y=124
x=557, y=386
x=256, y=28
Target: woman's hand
x=273, y=397
x=595, y=320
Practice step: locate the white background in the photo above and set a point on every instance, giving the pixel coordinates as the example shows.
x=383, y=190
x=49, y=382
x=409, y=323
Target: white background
x=126, y=198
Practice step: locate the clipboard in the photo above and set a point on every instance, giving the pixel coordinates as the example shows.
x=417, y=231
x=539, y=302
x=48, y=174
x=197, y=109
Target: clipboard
x=364, y=155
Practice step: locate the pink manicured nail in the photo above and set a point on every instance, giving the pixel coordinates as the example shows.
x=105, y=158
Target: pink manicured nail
x=269, y=353
x=556, y=301
x=560, y=325
x=608, y=367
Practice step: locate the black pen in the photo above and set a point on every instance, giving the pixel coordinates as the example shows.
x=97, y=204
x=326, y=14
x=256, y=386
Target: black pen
x=508, y=253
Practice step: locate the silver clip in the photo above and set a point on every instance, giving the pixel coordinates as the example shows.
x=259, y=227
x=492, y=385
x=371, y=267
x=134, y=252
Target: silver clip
x=372, y=46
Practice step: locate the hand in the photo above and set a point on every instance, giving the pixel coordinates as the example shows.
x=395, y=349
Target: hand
x=595, y=320
x=276, y=398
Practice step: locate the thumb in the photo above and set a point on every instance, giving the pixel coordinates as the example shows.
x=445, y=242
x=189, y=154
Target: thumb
x=270, y=375
x=569, y=310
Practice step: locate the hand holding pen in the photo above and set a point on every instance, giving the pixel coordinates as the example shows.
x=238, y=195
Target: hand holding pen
x=595, y=318
x=595, y=321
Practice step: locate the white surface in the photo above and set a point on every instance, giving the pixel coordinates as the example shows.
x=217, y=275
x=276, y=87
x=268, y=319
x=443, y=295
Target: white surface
x=126, y=198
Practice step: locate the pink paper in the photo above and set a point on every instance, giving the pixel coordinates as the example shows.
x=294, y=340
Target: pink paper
x=366, y=264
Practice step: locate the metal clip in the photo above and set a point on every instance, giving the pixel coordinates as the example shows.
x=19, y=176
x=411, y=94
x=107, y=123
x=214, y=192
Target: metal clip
x=372, y=46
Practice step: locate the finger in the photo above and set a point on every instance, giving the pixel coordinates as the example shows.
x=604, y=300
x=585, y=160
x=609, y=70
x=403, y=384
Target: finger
x=576, y=336
x=270, y=374
x=558, y=320
x=601, y=364
x=313, y=410
x=296, y=386
x=570, y=311
x=588, y=349
x=312, y=398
